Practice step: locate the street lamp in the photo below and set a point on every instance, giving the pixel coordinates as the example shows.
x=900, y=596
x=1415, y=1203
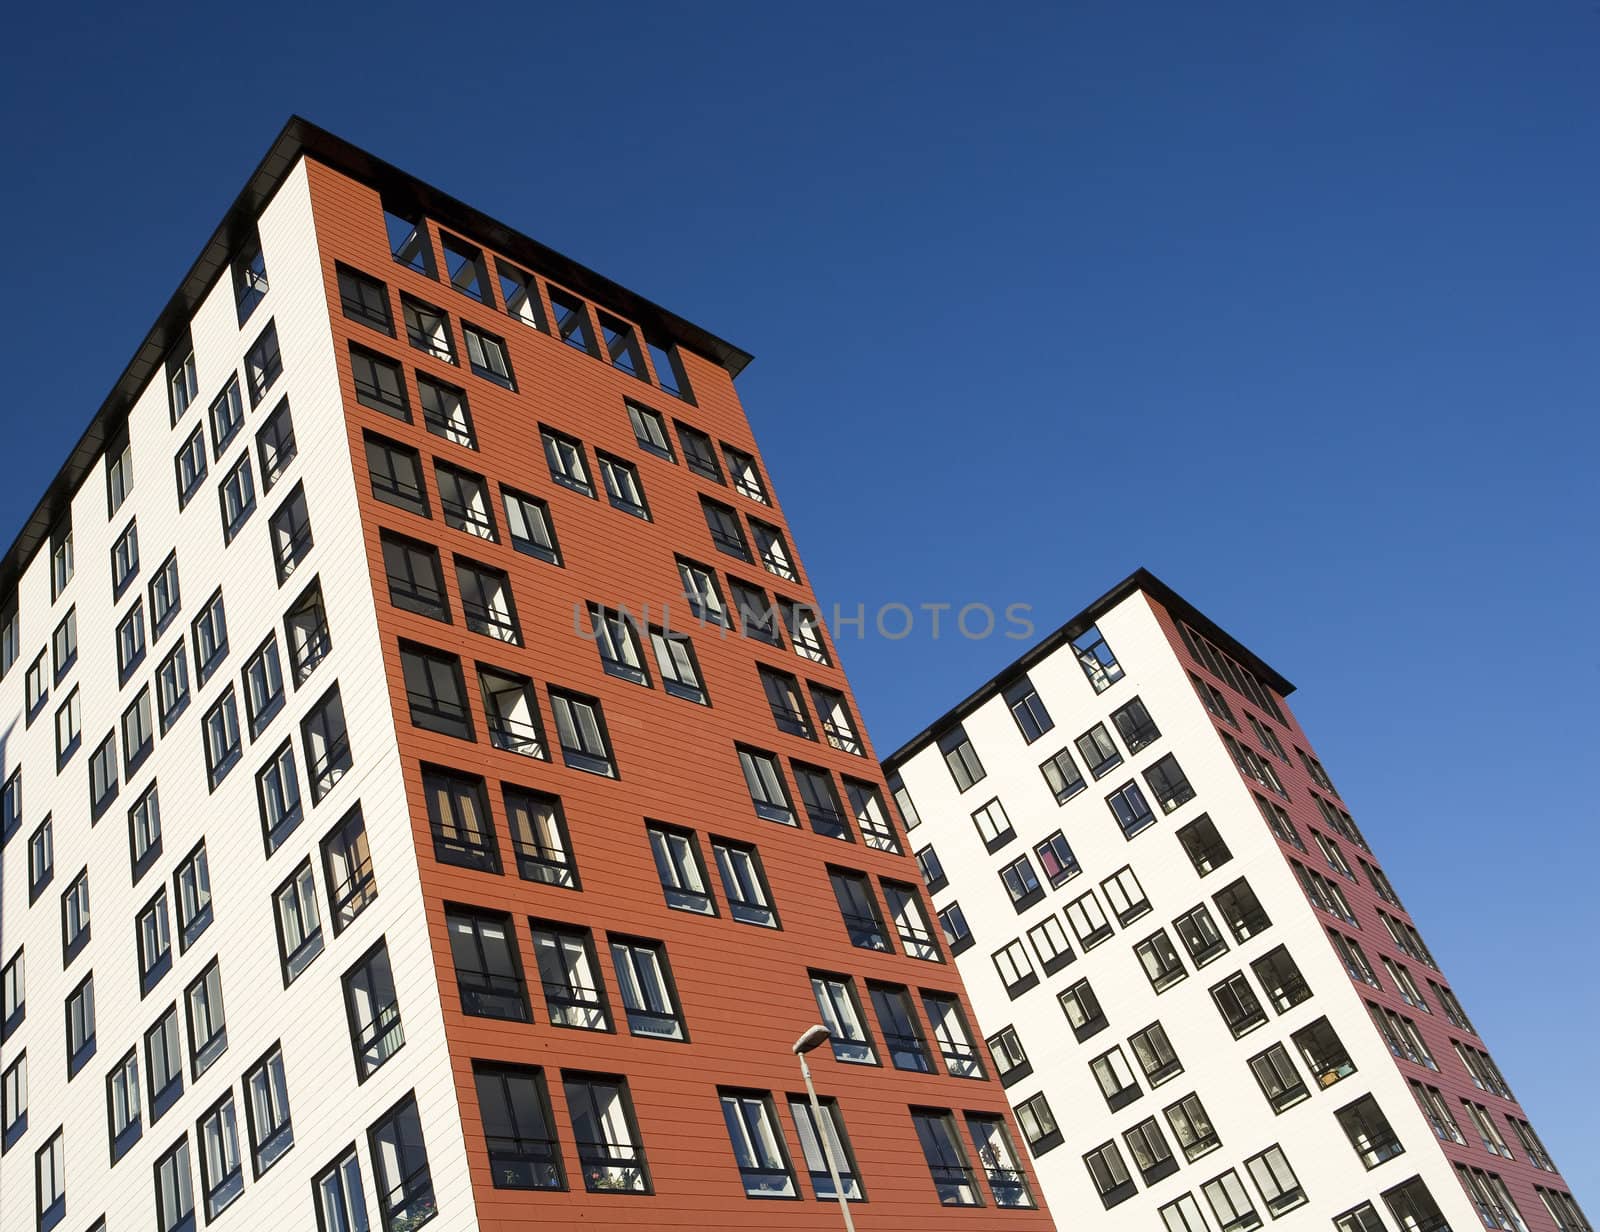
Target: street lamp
x=815, y=1037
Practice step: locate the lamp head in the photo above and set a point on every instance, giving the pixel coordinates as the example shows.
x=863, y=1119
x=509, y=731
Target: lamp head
x=814, y=1037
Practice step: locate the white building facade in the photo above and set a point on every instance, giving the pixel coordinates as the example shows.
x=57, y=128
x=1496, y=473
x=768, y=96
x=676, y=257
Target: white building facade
x=1124, y=836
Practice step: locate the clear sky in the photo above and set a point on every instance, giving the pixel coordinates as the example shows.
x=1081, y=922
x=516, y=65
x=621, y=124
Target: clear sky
x=1295, y=305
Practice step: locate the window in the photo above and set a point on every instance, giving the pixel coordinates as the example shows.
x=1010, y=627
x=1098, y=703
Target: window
x=174, y=1190
x=172, y=687
x=623, y=488
x=130, y=642
x=458, y=815
x=1088, y=920
x=13, y=1001
x=124, y=559
x=933, y=875
x=163, y=1063
x=670, y=374
x=1413, y=1207
x=910, y=921
x=805, y=631
x=512, y=712
x=1115, y=1078
x=1278, y=1078
x=11, y=805
x=1098, y=750
x=520, y=291
x=564, y=455
x=528, y=523
x=222, y=738
x=208, y=1024
x=1022, y=885
x=1022, y=699
x=1168, y=783
x=1109, y=1174
x=953, y=1179
x=1162, y=966
x=416, y=581
x=144, y=831
x=841, y=1014
x=102, y=768
x=1038, y=1124
x=373, y=1009
x=299, y=924
x=518, y=1129
x=1151, y=1154
x=726, y=532
x=1281, y=978
x=572, y=322
x=80, y=1025
x=1241, y=910
x=190, y=464
x=1010, y=1059
x=122, y=1105
x=862, y=923
x=1183, y=1215
x=1323, y=1053
x=539, y=837
x=37, y=688
x=702, y=593
x=263, y=364
x=1129, y=808
x=744, y=883
x=1155, y=1054
x=347, y=870
x=1015, y=969
x=238, y=498
x=757, y=1142
x=464, y=501
x=1204, y=845
x=1237, y=1003
x=951, y=1033
x=164, y=595
x=1531, y=1143
x=119, y=474
x=1437, y=1111
x=1563, y=1208
x=10, y=635
x=765, y=781
x=400, y=1161
x=902, y=1036
x=290, y=528
x=154, y=942
x=994, y=827
x=1126, y=896
x=606, y=1134
x=191, y=891
x=1230, y=1203
x=650, y=430
x=249, y=279
x=61, y=563
x=364, y=299
x=64, y=644
x=1354, y=957
x=953, y=923
x=487, y=602
x=679, y=867
x=436, y=694
x=837, y=1148
x=428, y=329
x=1488, y=1132
x=617, y=640
x=488, y=973
x=466, y=268
x=221, y=1170
x=837, y=725
x=570, y=974
x=263, y=686
x=210, y=631
x=41, y=858
x=380, y=383
x=1369, y=1132
x=227, y=417
x=75, y=917
x=581, y=732
x=327, y=744
x=396, y=474
x=622, y=346
x=961, y=758
x=1082, y=1008
x=649, y=997
x=773, y=551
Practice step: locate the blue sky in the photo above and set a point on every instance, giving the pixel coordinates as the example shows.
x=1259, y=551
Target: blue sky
x=1294, y=305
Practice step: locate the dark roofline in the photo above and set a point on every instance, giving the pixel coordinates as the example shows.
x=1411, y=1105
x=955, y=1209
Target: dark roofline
x=301, y=137
x=1140, y=579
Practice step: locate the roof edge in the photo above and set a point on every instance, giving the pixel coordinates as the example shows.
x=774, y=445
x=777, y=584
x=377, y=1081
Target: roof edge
x=1141, y=579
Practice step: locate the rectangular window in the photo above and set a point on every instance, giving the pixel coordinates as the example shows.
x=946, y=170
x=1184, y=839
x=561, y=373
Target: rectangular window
x=372, y=1009
x=756, y=616
x=428, y=329
x=487, y=355
x=569, y=972
x=837, y=725
x=191, y=891
x=237, y=495
x=222, y=744
x=227, y=417
x=144, y=832
x=757, y=1142
x=744, y=883
x=122, y=1104
x=1115, y=1078
x=263, y=364
x=1162, y=966
x=821, y=801
x=124, y=559
x=221, y=1170
x=466, y=269
x=1168, y=783
x=294, y=907
x=1015, y=969
x=1151, y=1154
x=773, y=551
x=961, y=758
x=746, y=475
x=606, y=1133
x=75, y=917
x=1155, y=1054
x=163, y=1063
x=464, y=501
x=1109, y=1174
x=727, y=533
x=805, y=631
x=380, y=383
x=520, y=292
x=1241, y=910
x=64, y=644
x=436, y=693
x=953, y=924
x=644, y=981
x=1128, y=806
x=1049, y=940
x=400, y=1160
x=1082, y=1009
x=953, y=1178
x=952, y=1034
x=702, y=594
x=1088, y=920
x=347, y=869
x=1010, y=1059
x=859, y=910
x=572, y=322
x=765, y=782
x=305, y=625
x=1369, y=1132
x=1323, y=1053
x=564, y=455
x=488, y=971
x=326, y=742
x=1281, y=978
x=61, y=561
x=249, y=279
x=130, y=642
x=680, y=869
x=208, y=1024
x=1230, y=1203
x=529, y=525
x=1278, y=1078
x=518, y=1130
x=1039, y=1127
x=41, y=858
x=174, y=1190
x=1126, y=896
x=364, y=299
x=458, y=815
x=581, y=733
x=183, y=385
x=154, y=942
x=290, y=531
x=910, y=921
x=1021, y=883
x=622, y=346
x=80, y=1025
x=1236, y=1001
x=103, y=781
x=841, y=1014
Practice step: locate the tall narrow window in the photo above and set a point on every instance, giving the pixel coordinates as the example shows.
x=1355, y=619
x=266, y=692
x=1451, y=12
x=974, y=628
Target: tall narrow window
x=208, y=1024
x=464, y=500
x=1026, y=707
x=538, y=831
x=606, y=1134
x=290, y=527
x=174, y=1190
x=347, y=869
x=1095, y=657
x=529, y=525
x=518, y=1129
x=488, y=971
x=644, y=981
x=953, y=1179
x=221, y=1169
x=327, y=744
x=863, y=925
x=487, y=602
x=1062, y=776
x=400, y=1160
x=757, y=1143
x=428, y=329
x=458, y=815
x=765, y=781
x=373, y=1010
x=744, y=883
x=263, y=364
x=299, y=923
x=572, y=322
x=574, y=993
x=581, y=732
x=952, y=1034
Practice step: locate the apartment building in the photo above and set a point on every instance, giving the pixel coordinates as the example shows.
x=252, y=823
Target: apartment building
x=1206, y=999
x=429, y=795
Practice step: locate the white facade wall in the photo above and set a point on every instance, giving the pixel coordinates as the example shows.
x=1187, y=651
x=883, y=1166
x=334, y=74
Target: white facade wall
x=1215, y=1064
x=329, y=1108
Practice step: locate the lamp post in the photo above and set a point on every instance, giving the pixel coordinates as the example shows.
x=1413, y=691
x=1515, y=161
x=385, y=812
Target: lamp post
x=814, y=1037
